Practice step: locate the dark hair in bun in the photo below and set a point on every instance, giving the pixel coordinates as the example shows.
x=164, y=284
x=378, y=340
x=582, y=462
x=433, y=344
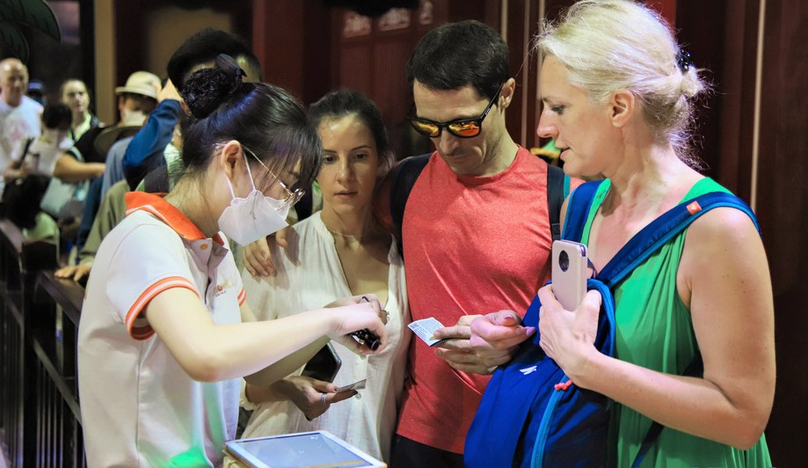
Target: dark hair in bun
x=264, y=118
x=208, y=87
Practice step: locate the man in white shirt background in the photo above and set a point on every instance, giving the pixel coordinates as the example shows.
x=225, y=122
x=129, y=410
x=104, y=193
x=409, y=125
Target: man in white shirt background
x=19, y=114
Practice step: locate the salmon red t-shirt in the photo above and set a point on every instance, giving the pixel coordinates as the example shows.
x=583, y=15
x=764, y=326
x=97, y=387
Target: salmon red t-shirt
x=472, y=245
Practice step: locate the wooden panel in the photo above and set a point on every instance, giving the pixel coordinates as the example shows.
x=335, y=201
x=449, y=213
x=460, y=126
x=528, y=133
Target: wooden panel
x=279, y=44
x=370, y=55
x=703, y=36
x=521, y=18
x=783, y=211
x=724, y=37
x=667, y=8
x=129, y=42
x=169, y=26
x=522, y=23
x=390, y=87
x=356, y=68
x=486, y=11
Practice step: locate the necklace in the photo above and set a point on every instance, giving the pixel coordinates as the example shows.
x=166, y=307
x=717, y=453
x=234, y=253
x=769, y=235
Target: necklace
x=348, y=237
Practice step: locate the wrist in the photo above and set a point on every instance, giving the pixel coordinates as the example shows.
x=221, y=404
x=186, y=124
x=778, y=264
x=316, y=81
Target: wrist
x=281, y=389
x=334, y=322
x=584, y=374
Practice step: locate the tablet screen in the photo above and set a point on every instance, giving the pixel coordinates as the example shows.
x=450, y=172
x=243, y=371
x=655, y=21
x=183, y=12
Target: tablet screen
x=308, y=449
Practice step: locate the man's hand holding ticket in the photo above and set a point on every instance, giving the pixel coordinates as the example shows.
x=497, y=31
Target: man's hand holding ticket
x=424, y=329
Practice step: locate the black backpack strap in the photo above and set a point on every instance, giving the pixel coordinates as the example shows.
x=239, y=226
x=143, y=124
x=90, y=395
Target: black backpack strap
x=558, y=187
x=403, y=178
x=28, y=142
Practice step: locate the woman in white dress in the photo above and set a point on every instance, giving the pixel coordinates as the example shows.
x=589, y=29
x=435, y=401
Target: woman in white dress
x=337, y=252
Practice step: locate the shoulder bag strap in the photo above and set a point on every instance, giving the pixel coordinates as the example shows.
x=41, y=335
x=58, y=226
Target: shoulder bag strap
x=28, y=142
x=649, y=240
x=403, y=179
x=558, y=185
x=662, y=229
x=578, y=210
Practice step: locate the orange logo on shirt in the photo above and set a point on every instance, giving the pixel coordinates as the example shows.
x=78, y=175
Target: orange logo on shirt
x=222, y=288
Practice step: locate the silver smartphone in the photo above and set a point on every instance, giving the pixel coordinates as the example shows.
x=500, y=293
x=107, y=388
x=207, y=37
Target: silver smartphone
x=569, y=273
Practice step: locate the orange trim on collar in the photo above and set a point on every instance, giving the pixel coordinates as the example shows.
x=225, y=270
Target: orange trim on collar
x=165, y=212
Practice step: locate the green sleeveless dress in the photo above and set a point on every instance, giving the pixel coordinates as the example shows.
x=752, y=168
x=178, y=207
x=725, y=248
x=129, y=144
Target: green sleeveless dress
x=654, y=330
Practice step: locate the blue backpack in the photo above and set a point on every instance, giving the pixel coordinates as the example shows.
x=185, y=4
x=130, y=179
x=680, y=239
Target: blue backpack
x=530, y=414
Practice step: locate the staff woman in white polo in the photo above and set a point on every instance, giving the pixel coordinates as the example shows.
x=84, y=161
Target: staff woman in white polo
x=161, y=339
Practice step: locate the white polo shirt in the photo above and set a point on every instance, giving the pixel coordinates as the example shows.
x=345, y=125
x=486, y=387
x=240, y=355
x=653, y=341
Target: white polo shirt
x=138, y=406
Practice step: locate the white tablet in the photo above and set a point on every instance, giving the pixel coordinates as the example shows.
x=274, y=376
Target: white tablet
x=305, y=449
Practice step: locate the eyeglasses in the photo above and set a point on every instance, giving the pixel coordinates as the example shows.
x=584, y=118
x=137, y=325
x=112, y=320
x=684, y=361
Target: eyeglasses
x=290, y=196
x=461, y=128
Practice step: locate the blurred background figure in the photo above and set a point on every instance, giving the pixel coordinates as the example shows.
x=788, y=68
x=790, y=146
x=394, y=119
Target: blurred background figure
x=37, y=91
x=28, y=174
x=73, y=92
x=19, y=114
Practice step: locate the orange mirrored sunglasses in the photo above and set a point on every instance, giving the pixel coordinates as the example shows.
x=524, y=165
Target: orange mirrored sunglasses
x=461, y=128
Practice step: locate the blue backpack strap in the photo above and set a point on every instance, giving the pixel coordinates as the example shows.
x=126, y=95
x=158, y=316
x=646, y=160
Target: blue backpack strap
x=662, y=229
x=645, y=243
x=404, y=176
x=578, y=210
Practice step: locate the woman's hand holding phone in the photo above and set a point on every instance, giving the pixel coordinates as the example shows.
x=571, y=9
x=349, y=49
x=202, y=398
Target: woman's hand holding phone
x=361, y=314
x=313, y=397
x=568, y=319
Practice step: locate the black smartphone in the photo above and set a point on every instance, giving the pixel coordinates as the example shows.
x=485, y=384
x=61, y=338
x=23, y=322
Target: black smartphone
x=324, y=365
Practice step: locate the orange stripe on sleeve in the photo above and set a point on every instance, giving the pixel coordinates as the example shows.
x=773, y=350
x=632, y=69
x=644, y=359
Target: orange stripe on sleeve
x=242, y=296
x=145, y=332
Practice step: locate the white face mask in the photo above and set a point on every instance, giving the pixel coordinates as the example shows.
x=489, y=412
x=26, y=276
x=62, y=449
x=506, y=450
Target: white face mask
x=248, y=219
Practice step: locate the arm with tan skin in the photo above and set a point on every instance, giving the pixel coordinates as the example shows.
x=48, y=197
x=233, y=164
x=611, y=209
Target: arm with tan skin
x=724, y=279
x=212, y=352
x=71, y=170
x=73, y=272
x=305, y=392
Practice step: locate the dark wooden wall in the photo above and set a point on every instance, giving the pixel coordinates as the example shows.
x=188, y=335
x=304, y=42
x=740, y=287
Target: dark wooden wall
x=724, y=37
x=782, y=205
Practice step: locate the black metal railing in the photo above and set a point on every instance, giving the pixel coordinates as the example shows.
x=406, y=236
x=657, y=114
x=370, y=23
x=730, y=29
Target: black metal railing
x=39, y=315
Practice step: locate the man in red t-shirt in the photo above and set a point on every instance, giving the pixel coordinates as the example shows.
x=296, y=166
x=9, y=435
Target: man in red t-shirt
x=475, y=232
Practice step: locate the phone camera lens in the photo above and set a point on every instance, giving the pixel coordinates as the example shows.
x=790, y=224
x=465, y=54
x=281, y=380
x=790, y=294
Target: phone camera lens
x=563, y=261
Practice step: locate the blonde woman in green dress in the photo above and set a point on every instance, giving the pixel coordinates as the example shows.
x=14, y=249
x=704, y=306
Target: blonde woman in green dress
x=617, y=93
